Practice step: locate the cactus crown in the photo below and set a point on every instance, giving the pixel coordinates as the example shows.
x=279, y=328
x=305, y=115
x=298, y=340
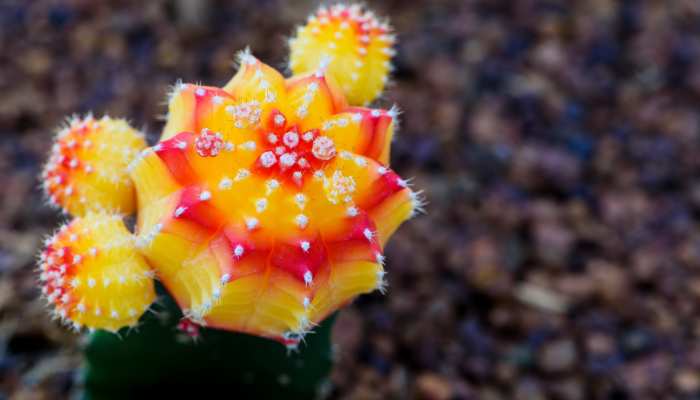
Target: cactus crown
x=93, y=277
x=264, y=207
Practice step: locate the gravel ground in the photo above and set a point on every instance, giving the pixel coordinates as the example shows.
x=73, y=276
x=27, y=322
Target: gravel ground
x=558, y=146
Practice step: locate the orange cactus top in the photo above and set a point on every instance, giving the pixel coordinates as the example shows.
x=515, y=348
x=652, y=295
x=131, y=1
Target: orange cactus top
x=264, y=207
x=267, y=203
x=87, y=168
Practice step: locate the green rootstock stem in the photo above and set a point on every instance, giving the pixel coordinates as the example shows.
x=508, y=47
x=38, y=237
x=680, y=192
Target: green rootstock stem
x=158, y=361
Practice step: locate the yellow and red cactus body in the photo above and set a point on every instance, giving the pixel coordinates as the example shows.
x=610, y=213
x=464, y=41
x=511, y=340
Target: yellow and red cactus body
x=267, y=203
x=353, y=46
x=87, y=168
x=93, y=275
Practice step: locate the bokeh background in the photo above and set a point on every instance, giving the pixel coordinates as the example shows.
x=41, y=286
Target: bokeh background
x=558, y=144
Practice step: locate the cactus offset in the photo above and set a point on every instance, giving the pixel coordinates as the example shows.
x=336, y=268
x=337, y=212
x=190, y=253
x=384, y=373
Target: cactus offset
x=93, y=276
x=269, y=208
x=352, y=44
x=264, y=207
x=87, y=167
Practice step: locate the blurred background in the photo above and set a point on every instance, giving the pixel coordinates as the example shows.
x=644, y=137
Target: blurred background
x=557, y=142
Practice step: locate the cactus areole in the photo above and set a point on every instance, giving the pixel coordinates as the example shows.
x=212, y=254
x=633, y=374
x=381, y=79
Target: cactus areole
x=264, y=207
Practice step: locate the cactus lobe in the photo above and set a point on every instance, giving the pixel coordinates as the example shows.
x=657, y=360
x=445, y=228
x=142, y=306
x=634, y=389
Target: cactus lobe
x=351, y=44
x=93, y=276
x=273, y=201
x=86, y=170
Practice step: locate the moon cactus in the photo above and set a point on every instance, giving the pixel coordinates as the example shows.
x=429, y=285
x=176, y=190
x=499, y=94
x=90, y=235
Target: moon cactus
x=264, y=207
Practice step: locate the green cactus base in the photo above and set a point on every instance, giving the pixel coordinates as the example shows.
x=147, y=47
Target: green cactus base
x=160, y=361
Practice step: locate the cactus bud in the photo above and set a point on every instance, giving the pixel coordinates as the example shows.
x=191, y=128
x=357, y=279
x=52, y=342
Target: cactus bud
x=87, y=168
x=93, y=276
x=267, y=204
x=351, y=45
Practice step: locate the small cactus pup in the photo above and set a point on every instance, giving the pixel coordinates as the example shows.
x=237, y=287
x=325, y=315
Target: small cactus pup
x=352, y=44
x=87, y=171
x=267, y=203
x=263, y=209
x=93, y=276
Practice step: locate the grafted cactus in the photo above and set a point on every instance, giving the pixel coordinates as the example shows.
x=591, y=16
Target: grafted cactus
x=263, y=209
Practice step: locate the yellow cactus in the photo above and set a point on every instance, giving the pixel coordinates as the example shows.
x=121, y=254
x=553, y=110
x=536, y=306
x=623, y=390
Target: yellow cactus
x=93, y=276
x=87, y=166
x=353, y=46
